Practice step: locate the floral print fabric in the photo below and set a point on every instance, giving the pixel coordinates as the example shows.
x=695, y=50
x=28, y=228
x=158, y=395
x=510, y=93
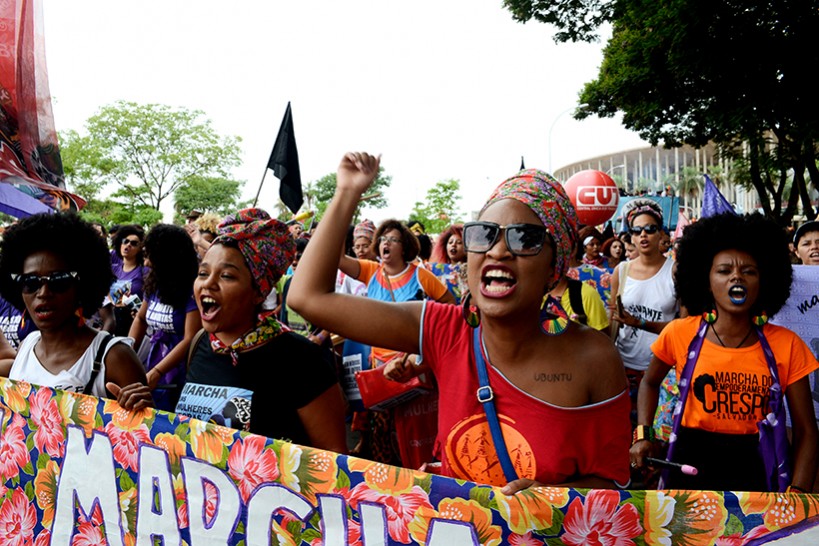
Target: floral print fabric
x=362, y=498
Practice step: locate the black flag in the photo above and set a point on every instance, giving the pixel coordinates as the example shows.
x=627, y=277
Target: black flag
x=522, y=166
x=284, y=161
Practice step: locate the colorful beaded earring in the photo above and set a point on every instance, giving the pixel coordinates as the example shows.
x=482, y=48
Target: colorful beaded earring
x=553, y=318
x=472, y=315
x=760, y=319
x=710, y=316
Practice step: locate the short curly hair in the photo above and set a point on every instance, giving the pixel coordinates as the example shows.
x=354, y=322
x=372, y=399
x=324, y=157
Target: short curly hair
x=174, y=264
x=73, y=241
x=439, y=251
x=410, y=244
x=122, y=233
x=754, y=234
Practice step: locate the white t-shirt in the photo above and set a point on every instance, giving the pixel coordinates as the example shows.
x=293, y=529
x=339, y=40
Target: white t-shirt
x=27, y=366
x=652, y=299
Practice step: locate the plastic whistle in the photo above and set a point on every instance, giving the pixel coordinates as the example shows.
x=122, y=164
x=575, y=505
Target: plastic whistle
x=684, y=468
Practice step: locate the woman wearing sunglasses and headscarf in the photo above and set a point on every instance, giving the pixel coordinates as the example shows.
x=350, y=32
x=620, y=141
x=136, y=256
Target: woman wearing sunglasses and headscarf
x=554, y=388
x=643, y=298
x=57, y=269
x=276, y=383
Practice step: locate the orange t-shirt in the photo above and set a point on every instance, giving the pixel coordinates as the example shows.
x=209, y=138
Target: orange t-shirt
x=729, y=387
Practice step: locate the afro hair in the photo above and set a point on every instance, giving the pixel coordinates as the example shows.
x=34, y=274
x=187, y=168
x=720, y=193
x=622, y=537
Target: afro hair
x=72, y=240
x=174, y=264
x=753, y=234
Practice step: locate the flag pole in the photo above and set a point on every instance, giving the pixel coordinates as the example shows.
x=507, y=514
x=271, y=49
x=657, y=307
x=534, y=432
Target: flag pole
x=259, y=191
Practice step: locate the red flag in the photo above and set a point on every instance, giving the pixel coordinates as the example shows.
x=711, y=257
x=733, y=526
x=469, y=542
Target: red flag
x=29, y=152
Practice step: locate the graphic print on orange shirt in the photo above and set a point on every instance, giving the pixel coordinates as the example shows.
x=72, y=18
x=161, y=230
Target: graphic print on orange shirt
x=472, y=456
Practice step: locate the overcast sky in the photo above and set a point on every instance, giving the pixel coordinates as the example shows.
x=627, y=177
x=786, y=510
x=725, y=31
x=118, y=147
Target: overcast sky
x=442, y=88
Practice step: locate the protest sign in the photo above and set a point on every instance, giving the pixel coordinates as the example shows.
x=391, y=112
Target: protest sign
x=79, y=470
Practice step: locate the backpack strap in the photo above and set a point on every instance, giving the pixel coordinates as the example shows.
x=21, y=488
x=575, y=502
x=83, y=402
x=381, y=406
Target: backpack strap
x=576, y=301
x=95, y=370
x=283, y=303
x=194, y=344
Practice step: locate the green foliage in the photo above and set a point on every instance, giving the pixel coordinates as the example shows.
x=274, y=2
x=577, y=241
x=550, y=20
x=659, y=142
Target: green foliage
x=86, y=169
x=322, y=191
x=733, y=72
x=109, y=212
x=574, y=20
x=440, y=209
x=153, y=149
x=208, y=194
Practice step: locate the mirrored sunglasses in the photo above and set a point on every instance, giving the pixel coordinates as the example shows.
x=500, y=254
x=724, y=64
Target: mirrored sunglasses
x=521, y=239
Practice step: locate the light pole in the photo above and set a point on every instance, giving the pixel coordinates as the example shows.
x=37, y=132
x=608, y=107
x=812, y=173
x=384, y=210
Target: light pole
x=551, y=127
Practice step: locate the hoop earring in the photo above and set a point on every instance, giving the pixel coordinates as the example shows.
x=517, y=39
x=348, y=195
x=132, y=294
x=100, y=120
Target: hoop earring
x=471, y=313
x=553, y=318
x=760, y=319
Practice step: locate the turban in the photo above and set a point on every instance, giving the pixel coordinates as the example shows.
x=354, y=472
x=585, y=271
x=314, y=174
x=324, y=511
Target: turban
x=265, y=243
x=636, y=207
x=548, y=200
x=365, y=229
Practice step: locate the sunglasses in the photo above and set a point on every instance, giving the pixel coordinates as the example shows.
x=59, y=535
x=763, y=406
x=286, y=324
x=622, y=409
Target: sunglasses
x=57, y=282
x=650, y=229
x=521, y=239
x=132, y=242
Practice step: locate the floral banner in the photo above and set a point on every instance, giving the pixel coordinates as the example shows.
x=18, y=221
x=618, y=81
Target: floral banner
x=77, y=470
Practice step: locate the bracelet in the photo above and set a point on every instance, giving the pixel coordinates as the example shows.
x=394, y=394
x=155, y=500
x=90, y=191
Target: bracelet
x=642, y=432
x=642, y=323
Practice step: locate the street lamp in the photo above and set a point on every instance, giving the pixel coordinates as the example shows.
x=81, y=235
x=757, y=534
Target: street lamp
x=551, y=127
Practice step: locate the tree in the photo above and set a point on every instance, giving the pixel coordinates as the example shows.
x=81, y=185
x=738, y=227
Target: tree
x=208, y=194
x=325, y=187
x=155, y=149
x=440, y=210
x=86, y=169
x=733, y=72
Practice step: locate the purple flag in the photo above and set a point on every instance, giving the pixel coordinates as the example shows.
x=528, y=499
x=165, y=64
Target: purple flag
x=713, y=202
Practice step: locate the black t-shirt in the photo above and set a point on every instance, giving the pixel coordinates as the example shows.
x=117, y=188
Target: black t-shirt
x=263, y=391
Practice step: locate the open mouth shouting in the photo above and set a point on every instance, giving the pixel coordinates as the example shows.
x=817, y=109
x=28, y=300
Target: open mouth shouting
x=210, y=307
x=737, y=294
x=497, y=282
x=43, y=312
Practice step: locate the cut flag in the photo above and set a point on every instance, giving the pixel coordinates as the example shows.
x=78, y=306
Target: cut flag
x=713, y=202
x=284, y=162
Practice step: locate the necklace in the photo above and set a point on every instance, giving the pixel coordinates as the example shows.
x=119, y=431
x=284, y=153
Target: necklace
x=751, y=329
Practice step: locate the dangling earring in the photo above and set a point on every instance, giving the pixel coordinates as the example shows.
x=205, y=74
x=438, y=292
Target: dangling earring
x=472, y=315
x=553, y=318
x=80, y=318
x=760, y=319
x=23, y=319
x=710, y=317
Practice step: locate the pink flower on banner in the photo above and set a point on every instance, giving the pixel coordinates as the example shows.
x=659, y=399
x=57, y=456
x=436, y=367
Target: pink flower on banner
x=601, y=521
x=126, y=444
x=89, y=534
x=211, y=500
x=400, y=509
x=43, y=539
x=46, y=415
x=251, y=464
x=523, y=540
x=17, y=520
x=13, y=451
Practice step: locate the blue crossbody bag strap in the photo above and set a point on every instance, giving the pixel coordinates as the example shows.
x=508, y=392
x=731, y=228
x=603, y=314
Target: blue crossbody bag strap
x=486, y=397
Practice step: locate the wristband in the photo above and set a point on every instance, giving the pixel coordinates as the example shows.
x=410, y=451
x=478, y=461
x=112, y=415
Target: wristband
x=795, y=489
x=642, y=432
x=642, y=323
